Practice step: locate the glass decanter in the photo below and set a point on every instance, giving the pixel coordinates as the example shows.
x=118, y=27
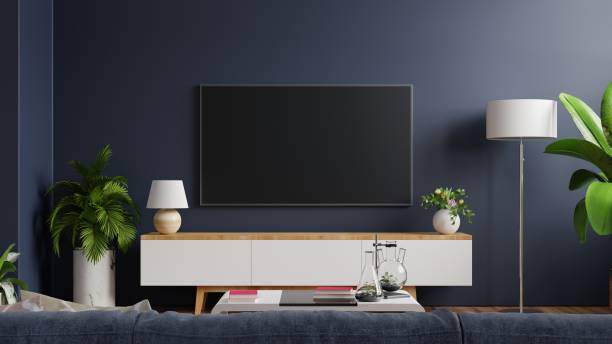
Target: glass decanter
x=368, y=289
x=392, y=271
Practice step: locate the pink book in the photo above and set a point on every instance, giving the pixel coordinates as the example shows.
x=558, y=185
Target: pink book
x=334, y=288
x=242, y=292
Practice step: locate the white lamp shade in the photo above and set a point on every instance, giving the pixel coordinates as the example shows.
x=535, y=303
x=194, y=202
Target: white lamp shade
x=513, y=119
x=167, y=194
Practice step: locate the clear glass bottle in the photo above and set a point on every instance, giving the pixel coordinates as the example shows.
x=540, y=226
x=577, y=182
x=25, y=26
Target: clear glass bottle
x=368, y=289
x=391, y=271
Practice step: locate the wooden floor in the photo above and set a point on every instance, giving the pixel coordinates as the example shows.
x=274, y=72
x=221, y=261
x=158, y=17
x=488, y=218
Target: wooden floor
x=547, y=309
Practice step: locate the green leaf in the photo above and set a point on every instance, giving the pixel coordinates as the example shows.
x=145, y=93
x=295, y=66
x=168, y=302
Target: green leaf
x=126, y=236
x=583, y=177
x=80, y=168
x=65, y=214
x=23, y=285
x=4, y=256
x=102, y=159
x=606, y=113
x=587, y=121
x=65, y=184
x=580, y=220
x=93, y=240
x=584, y=150
x=599, y=207
x=114, y=191
x=7, y=267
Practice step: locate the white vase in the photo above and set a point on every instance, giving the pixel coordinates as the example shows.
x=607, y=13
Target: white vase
x=94, y=284
x=443, y=223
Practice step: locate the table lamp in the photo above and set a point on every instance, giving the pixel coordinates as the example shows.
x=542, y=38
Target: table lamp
x=521, y=119
x=167, y=196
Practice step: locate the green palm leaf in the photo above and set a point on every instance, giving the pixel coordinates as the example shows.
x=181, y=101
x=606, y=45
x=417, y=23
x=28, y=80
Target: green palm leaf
x=114, y=191
x=587, y=121
x=102, y=159
x=94, y=242
x=83, y=170
x=126, y=236
x=63, y=216
x=67, y=185
x=63, y=221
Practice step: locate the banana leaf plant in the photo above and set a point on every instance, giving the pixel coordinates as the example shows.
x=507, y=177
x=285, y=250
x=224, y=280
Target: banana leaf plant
x=97, y=211
x=595, y=209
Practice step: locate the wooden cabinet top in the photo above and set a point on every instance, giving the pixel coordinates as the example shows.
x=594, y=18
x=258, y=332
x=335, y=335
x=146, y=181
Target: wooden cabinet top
x=304, y=236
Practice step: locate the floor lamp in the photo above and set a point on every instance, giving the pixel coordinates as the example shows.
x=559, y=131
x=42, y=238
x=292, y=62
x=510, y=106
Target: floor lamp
x=521, y=119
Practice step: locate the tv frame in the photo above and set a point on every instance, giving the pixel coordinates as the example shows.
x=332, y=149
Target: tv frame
x=409, y=204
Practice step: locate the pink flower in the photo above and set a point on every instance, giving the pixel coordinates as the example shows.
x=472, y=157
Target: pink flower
x=452, y=203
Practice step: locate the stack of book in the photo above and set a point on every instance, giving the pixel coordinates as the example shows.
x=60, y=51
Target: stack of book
x=242, y=295
x=336, y=295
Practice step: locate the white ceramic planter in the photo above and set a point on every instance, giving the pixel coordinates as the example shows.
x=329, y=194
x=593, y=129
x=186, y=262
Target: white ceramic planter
x=93, y=284
x=443, y=224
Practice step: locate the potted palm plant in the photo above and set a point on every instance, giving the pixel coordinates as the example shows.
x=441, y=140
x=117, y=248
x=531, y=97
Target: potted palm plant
x=98, y=214
x=595, y=209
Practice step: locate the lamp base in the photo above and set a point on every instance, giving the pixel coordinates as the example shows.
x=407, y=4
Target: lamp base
x=167, y=221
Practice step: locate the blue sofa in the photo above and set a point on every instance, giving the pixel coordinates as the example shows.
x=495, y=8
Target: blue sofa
x=302, y=327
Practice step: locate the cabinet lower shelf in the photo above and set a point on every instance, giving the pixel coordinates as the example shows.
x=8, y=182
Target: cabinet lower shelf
x=202, y=292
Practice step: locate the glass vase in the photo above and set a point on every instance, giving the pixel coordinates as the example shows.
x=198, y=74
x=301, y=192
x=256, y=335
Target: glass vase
x=368, y=289
x=392, y=271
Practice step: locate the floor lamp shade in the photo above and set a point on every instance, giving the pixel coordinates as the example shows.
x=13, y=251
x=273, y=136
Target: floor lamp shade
x=514, y=119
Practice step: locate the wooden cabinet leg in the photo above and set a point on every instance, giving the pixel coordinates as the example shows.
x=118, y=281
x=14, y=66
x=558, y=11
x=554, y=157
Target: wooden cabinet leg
x=412, y=291
x=200, y=300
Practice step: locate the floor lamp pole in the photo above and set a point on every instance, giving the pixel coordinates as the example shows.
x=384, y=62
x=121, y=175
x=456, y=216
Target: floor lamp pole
x=521, y=234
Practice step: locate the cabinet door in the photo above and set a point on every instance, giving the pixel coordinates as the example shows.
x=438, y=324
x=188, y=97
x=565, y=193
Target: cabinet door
x=195, y=262
x=306, y=262
x=436, y=262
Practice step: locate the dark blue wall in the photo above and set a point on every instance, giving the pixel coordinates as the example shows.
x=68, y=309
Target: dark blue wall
x=126, y=72
x=35, y=138
x=26, y=143
x=9, y=62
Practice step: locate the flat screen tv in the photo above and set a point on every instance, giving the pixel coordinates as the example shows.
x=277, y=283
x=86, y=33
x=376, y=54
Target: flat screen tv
x=305, y=145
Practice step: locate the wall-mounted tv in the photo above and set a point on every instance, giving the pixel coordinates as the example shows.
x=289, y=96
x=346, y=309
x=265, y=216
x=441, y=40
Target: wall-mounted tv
x=306, y=145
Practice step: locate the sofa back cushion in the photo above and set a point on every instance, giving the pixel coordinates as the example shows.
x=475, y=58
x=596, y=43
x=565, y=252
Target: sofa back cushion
x=508, y=328
x=67, y=327
x=299, y=327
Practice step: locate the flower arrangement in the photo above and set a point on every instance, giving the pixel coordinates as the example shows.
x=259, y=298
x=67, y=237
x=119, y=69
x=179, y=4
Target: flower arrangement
x=451, y=199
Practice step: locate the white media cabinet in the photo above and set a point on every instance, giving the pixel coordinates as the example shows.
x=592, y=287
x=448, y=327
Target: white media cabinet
x=217, y=262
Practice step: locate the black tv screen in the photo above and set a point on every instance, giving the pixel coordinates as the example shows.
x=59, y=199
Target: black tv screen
x=306, y=145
